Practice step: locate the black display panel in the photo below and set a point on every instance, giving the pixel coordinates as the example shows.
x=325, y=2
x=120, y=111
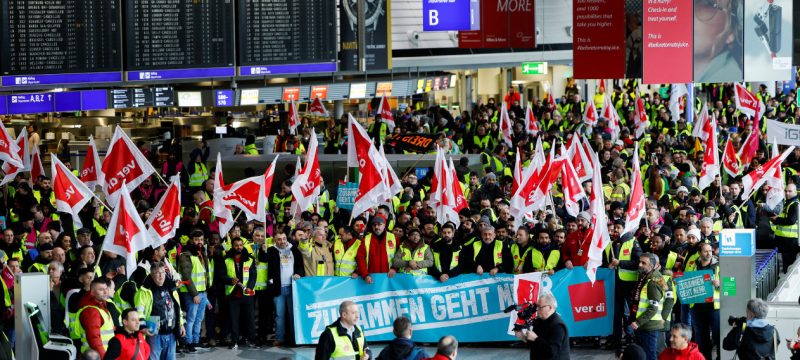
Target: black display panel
x=286, y=31
x=59, y=37
x=141, y=97
x=179, y=34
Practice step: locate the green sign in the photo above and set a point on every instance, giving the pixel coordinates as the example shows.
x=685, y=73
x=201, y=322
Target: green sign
x=729, y=286
x=534, y=68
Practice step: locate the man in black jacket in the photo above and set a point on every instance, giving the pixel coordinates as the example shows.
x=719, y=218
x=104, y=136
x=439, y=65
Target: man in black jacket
x=445, y=255
x=284, y=263
x=350, y=336
x=239, y=276
x=549, y=338
x=759, y=340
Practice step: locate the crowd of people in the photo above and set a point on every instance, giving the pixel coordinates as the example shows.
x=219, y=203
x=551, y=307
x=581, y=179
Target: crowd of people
x=205, y=289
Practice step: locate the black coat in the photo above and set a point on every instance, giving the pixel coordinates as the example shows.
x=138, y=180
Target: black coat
x=553, y=340
x=274, y=268
x=752, y=343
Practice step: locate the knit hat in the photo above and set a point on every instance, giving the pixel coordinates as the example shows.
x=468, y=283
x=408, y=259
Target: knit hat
x=585, y=216
x=694, y=232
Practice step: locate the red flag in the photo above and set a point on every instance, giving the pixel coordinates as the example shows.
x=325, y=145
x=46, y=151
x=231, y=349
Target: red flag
x=222, y=212
x=385, y=112
x=636, y=205
x=748, y=103
x=749, y=148
x=506, y=132
x=361, y=152
x=127, y=234
x=124, y=163
x=294, y=118
x=317, y=109
x=573, y=191
x=590, y=114
x=71, y=194
x=269, y=175
x=702, y=127
x=531, y=124
x=611, y=115
x=730, y=160
x=9, y=169
x=437, y=182
x=517, y=174
x=460, y=201
x=599, y=229
x=754, y=179
x=165, y=218
x=711, y=165
x=8, y=148
x=390, y=179
x=776, y=193
x=246, y=195
x=551, y=100
x=91, y=174
x=581, y=161
x=308, y=184
x=448, y=208
x=37, y=169
x=640, y=116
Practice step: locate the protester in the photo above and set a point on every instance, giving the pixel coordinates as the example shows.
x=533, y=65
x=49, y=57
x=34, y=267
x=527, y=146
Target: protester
x=402, y=347
x=681, y=346
x=128, y=343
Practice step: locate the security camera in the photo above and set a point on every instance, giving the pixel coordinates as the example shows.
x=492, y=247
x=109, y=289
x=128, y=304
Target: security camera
x=413, y=36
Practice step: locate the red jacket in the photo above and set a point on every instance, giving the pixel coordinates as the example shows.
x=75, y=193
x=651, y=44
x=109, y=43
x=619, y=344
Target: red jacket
x=123, y=346
x=438, y=357
x=570, y=249
x=690, y=353
x=378, y=258
x=91, y=321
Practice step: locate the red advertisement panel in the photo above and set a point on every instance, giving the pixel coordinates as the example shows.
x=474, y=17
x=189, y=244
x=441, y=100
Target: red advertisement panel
x=599, y=33
x=291, y=93
x=504, y=24
x=320, y=92
x=667, y=41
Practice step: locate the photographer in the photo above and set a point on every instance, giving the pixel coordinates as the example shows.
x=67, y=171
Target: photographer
x=549, y=338
x=756, y=340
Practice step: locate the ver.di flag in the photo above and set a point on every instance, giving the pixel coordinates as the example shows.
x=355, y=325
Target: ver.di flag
x=165, y=218
x=127, y=234
x=91, y=174
x=71, y=194
x=9, y=169
x=124, y=164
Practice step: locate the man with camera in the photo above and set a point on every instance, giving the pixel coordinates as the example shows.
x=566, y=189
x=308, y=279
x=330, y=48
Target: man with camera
x=751, y=336
x=549, y=338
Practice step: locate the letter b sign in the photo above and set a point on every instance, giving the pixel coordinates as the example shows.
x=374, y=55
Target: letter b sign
x=433, y=17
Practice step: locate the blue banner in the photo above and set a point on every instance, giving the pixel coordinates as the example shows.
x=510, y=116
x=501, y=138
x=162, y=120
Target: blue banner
x=346, y=195
x=695, y=287
x=467, y=306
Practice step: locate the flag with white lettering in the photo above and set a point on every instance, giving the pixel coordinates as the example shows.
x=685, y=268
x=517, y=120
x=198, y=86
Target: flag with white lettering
x=71, y=194
x=124, y=163
x=165, y=218
x=307, y=185
x=9, y=151
x=222, y=212
x=730, y=160
x=294, y=118
x=756, y=178
x=9, y=169
x=91, y=174
x=37, y=169
x=385, y=113
x=317, y=108
x=126, y=234
x=636, y=205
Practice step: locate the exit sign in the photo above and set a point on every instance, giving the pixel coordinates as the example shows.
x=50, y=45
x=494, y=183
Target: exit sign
x=534, y=68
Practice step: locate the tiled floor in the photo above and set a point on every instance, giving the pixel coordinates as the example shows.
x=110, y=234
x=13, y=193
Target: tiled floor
x=465, y=353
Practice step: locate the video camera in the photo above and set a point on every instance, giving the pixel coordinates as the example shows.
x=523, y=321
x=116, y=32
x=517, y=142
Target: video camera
x=526, y=313
x=736, y=321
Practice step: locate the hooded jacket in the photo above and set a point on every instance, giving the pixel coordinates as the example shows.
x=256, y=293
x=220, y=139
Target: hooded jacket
x=402, y=349
x=755, y=341
x=692, y=352
x=274, y=268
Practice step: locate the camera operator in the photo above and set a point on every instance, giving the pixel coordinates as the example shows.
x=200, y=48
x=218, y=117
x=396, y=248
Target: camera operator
x=549, y=338
x=756, y=340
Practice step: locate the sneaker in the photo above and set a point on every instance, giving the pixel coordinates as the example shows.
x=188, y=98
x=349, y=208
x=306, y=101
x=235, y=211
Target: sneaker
x=203, y=345
x=250, y=344
x=190, y=349
x=233, y=346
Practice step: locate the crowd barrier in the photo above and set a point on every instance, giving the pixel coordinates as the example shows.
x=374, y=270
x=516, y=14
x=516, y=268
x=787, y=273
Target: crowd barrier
x=468, y=306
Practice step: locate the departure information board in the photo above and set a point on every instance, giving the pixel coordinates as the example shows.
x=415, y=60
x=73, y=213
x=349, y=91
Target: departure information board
x=179, y=39
x=286, y=36
x=60, y=42
x=138, y=98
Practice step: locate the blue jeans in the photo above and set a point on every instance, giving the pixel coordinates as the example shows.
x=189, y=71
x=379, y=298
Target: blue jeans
x=162, y=347
x=195, y=313
x=283, y=313
x=648, y=340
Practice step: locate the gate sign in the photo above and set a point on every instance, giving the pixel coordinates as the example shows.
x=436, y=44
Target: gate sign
x=737, y=243
x=451, y=15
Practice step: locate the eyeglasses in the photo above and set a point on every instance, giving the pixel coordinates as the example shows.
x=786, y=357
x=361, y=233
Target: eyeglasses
x=705, y=10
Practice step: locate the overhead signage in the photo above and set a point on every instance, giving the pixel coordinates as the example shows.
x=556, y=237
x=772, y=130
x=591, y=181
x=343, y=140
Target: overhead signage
x=319, y=91
x=68, y=101
x=503, y=24
x=534, y=68
x=223, y=98
x=249, y=97
x=176, y=74
x=30, y=103
x=190, y=99
x=358, y=91
x=291, y=93
x=451, y=15
x=383, y=89
x=265, y=70
x=737, y=243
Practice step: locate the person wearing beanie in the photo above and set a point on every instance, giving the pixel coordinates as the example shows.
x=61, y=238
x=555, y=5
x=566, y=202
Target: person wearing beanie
x=575, y=251
x=380, y=246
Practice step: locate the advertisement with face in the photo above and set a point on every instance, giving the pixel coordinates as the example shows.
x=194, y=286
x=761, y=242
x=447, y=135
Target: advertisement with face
x=718, y=29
